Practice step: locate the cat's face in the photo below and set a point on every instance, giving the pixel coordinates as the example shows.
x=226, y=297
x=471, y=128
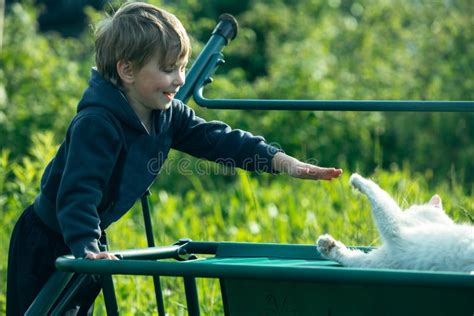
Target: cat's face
x=431, y=212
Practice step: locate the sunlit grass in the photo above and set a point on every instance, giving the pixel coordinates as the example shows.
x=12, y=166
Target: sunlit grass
x=250, y=210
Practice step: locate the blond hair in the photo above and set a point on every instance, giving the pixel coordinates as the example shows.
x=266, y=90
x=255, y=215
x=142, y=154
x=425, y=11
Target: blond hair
x=137, y=32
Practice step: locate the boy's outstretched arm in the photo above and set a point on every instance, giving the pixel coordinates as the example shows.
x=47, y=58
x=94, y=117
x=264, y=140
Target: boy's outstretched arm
x=286, y=164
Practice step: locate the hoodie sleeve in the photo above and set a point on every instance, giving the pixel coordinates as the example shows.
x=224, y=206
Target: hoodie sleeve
x=93, y=148
x=216, y=141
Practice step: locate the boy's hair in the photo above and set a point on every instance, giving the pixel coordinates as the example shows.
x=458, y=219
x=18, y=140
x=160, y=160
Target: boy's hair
x=135, y=33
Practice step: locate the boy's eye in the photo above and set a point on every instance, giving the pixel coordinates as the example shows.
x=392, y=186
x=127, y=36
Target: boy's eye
x=174, y=68
x=168, y=70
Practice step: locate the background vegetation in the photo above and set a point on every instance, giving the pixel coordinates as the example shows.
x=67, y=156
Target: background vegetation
x=334, y=49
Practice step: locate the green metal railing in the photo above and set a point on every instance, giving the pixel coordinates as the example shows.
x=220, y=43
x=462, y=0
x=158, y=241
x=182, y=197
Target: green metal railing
x=133, y=262
x=260, y=270
x=211, y=58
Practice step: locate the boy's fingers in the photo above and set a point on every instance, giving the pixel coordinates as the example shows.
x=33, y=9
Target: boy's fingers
x=101, y=255
x=106, y=255
x=330, y=173
x=318, y=173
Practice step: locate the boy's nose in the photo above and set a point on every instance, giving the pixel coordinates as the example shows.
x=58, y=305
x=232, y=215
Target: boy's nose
x=180, y=78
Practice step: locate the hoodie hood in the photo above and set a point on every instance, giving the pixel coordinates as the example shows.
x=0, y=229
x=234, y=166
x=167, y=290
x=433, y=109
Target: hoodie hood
x=103, y=93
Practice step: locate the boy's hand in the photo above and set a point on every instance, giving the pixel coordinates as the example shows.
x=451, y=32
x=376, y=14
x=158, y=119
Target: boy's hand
x=295, y=168
x=101, y=255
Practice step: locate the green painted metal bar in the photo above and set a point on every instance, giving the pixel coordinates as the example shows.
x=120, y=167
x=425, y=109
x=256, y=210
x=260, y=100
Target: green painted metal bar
x=59, y=280
x=225, y=30
x=160, y=306
x=147, y=219
x=211, y=58
x=108, y=289
x=213, y=269
x=73, y=287
x=190, y=288
x=192, y=299
x=216, y=59
x=110, y=299
x=151, y=253
x=271, y=250
x=302, y=270
x=49, y=293
x=335, y=105
x=199, y=247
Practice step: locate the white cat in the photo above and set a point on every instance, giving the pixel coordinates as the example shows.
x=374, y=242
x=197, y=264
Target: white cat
x=422, y=237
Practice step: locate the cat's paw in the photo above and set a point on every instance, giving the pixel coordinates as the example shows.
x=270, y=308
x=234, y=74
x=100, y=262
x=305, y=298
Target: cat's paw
x=356, y=180
x=325, y=244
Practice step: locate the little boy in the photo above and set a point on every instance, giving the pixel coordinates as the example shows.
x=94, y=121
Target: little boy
x=127, y=118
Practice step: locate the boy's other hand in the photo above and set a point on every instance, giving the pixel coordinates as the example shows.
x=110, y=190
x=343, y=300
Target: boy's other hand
x=100, y=255
x=297, y=169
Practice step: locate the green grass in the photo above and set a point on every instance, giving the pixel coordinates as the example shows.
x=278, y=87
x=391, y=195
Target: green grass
x=254, y=209
x=273, y=209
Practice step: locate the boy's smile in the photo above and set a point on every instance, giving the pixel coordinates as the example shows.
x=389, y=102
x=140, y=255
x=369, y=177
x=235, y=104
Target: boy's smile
x=169, y=95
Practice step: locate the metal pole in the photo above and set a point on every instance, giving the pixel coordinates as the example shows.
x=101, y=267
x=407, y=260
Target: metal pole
x=211, y=57
x=73, y=287
x=151, y=243
x=108, y=285
x=49, y=293
x=225, y=31
x=216, y=59
x=192, y=299
x=109, y=295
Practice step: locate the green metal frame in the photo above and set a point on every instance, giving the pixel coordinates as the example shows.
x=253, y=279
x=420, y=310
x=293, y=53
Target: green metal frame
x=293, y=279
x=288, y=274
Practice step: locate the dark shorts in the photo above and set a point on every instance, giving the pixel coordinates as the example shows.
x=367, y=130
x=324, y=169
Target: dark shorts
x=34, y=248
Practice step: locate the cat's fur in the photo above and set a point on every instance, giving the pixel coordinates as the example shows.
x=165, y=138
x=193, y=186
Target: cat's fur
x=422, y=237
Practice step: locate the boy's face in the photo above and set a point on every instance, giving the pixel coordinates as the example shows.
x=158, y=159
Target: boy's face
x=153, y=87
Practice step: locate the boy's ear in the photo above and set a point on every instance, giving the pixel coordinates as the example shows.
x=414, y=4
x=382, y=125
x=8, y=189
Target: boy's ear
x=125, y=71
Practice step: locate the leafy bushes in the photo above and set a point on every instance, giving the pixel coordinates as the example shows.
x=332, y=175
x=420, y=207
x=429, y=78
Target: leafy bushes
x=361, y=51
x=42, y=76
x=298, y=50
x=19, y=185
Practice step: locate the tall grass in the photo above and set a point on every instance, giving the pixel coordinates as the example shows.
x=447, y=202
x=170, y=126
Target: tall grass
x=263, y=209
x=251, y=208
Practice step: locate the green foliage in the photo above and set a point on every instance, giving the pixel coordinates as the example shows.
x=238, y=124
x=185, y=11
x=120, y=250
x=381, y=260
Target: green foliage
x=19, y=183
x=291, y=50
x=335, y=49
x=41, y=79
x=358, y=50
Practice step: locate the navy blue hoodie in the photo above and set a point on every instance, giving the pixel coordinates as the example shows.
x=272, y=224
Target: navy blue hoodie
x=108, y=160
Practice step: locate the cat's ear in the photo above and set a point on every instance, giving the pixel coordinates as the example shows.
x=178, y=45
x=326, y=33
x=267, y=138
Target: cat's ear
x=436, y=201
